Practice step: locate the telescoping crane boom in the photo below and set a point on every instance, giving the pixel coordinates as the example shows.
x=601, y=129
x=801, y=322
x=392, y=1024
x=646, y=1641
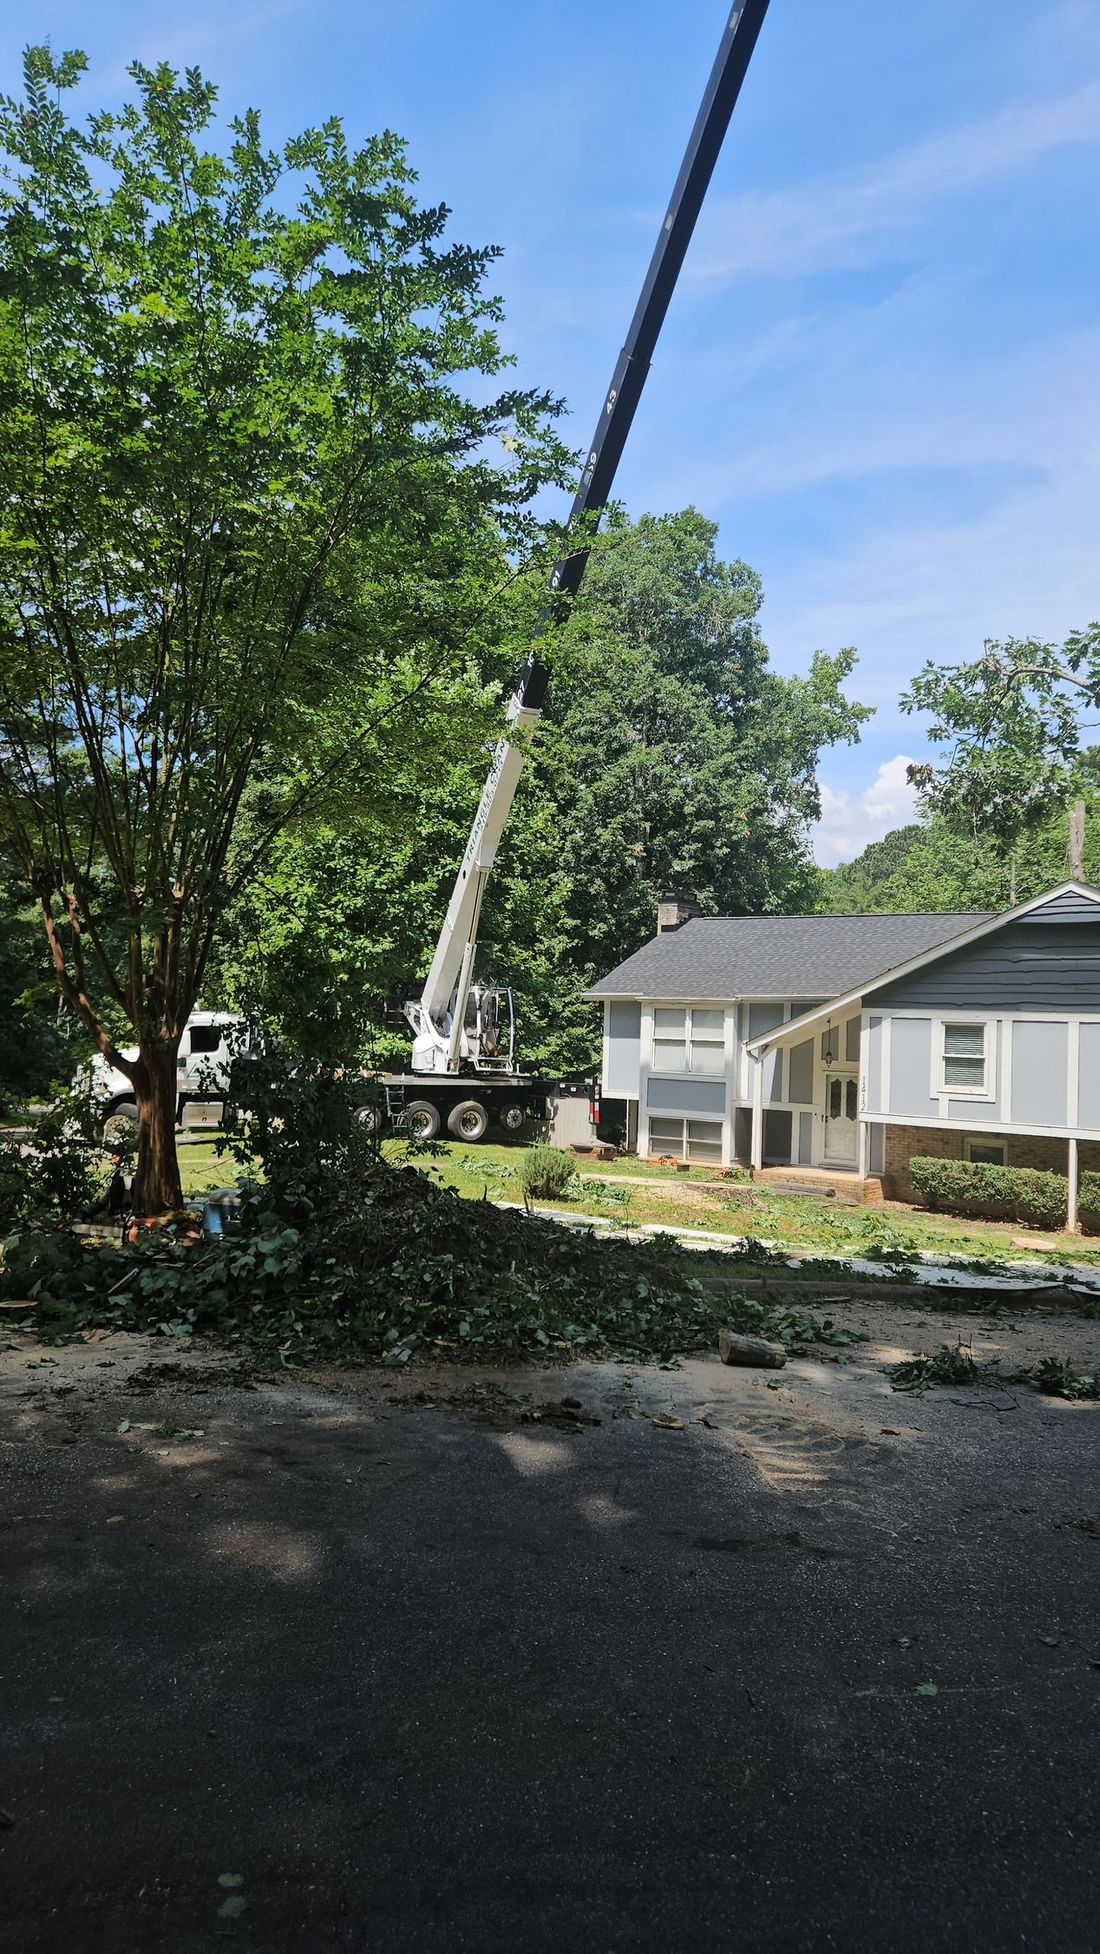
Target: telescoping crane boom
x=454, y=1025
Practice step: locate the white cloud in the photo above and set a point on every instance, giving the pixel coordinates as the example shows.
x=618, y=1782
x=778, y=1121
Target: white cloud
x=854, y=216
x=847, y=824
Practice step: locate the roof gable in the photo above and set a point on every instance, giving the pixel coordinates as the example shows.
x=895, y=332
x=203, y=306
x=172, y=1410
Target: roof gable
x=725, y=957
x=1070, y=903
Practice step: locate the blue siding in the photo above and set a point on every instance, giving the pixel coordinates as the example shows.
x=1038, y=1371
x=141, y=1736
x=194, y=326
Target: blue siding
x=1045, y=962
x=874, y=1064
x=911, y=1068
x=1040, y=1056
x=684, y=1094
x=1068, y=907
x=1088, y=1111
x=800, y=1073
x=623, y=1050
x=765, y=1016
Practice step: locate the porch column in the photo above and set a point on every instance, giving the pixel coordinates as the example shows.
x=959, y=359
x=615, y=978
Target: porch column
x=1071, y=1197
x=756, y=1155
x=864, y=1149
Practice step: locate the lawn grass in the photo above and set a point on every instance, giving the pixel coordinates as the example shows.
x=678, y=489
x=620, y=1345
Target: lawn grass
x=633, y=1191
x=202, y=1168
x=630, y=1191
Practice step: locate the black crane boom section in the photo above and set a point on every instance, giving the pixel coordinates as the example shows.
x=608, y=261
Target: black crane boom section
x=632, y=366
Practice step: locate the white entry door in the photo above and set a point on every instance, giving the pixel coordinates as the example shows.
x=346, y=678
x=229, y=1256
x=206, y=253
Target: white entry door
x=842, y=1117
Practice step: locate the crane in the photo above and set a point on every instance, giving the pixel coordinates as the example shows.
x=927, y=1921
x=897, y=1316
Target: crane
x=459, y=1027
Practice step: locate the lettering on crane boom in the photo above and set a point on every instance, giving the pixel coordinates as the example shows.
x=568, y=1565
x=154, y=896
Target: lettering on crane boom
x=487, y=792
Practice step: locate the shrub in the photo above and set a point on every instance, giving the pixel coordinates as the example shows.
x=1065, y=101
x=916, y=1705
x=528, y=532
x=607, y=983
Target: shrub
x=977, y=1187
x=1088, y=1193
x=60, y=1167
x=547, y=1173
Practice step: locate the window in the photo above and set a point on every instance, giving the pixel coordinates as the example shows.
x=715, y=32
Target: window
x=963, y=1058
x=841, y=1098
x=688, y=1039
x=688, y=1139
x=704, y=1140
x=206, y=1037
x=987, y=1152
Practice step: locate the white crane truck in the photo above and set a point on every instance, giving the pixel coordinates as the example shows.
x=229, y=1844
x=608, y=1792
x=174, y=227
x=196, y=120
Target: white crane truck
x=463, y=1060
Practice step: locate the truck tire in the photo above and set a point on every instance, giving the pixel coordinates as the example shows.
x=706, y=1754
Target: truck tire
x=421, y=1119
x=468, y=1120
x=512, y=1118
x=369, y=1117
x=120, y=1121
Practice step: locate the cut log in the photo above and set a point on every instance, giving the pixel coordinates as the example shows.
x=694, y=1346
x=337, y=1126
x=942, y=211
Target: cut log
x=754, y=1351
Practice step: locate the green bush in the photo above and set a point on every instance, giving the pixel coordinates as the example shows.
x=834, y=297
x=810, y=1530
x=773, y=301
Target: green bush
x=548, y=1173
x=1003, y=1193
x=1088, y=1193
x=57, y=1170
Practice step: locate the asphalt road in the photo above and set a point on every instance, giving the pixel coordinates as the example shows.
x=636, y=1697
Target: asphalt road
x=333, y=1669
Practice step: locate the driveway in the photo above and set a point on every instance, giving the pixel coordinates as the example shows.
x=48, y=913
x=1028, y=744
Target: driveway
x=433, y=1663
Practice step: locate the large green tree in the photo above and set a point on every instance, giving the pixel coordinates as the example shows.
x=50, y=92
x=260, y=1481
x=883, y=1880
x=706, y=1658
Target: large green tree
x=1010, y=727
x=935, y=864
x=673, y=756
x=256, y=493
x=670, y=754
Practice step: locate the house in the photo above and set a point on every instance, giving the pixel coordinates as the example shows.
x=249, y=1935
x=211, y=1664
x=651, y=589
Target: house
x=852, y=1043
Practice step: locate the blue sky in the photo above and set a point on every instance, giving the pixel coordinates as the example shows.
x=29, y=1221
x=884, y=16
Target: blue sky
x=881, y=373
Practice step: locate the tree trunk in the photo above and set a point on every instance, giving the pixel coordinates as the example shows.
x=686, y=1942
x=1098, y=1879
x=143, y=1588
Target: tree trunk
x=1075, y=846
x=157, y=1188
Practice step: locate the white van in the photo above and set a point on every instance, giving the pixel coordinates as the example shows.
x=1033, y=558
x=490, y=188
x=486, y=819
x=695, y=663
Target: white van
x=210, y=1041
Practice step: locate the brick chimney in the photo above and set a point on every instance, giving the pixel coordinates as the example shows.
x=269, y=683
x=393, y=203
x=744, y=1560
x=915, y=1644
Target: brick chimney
x=673, y=911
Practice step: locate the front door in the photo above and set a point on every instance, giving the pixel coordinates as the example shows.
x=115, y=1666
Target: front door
x=842, y=1118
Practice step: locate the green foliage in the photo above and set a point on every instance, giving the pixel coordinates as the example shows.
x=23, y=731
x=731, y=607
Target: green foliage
x=950, y=1364
x=669, y=752
x=932, y=865
x=1088, y=1192
x=36, y=1047
x=671, y=756
x=1058, y=1378
x=548, y=1173
x=295, y=1133
x=1011, y=722
x=978, y=1187
x=60, y=1168
x=261, y=506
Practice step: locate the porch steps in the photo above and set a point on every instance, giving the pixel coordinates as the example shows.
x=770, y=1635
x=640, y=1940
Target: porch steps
x=845, y=1188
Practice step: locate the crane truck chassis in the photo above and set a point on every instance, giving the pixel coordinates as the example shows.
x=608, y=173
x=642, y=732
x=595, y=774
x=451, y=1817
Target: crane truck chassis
x=474, y=1106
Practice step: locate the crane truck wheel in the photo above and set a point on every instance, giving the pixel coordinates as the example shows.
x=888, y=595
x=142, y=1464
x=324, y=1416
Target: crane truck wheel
x=120, y=1123
x=369, y=1117
x=513, y=1119
x=468, y=1120
x=421, y=1119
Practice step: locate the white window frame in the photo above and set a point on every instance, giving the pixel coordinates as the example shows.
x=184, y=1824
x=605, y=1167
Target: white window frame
x=940, y=1089
x=683, y=1152
x=972, y=1140
x=717, y=1044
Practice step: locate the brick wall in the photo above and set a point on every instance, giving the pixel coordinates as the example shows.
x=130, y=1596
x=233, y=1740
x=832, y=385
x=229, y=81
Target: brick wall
x=946, y=1143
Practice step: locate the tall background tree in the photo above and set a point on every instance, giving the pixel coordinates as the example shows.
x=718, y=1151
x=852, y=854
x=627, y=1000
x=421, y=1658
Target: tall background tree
x=1016, y=763
x=257, y=504
x=671, y=753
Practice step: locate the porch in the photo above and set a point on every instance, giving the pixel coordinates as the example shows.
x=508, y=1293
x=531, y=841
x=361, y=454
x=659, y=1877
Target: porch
x=847, y=1185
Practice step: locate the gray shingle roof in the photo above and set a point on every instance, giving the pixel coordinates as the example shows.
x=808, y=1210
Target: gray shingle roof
x=777, y=956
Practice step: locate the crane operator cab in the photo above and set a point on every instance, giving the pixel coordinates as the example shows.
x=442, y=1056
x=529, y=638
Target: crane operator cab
x=489, y=1030
x=487, y=1042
